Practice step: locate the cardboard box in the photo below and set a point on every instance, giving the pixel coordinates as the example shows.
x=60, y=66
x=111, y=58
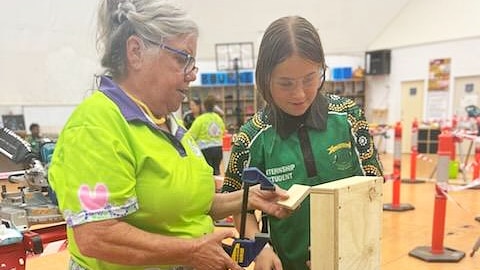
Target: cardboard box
x=346, y=223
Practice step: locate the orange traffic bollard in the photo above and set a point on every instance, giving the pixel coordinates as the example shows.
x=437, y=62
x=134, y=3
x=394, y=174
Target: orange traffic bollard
x=437, y=252
x=397, y=160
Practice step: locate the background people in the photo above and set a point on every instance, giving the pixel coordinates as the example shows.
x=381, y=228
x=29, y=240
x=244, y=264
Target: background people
x=302, y=136
x=207, y=130
x=34, y=138
x=195, y=105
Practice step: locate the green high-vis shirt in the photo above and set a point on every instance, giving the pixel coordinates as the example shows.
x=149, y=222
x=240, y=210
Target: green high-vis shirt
x=112, y=162
x=207, y=130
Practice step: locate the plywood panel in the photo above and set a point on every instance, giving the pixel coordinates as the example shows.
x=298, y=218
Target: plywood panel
x=296, y=194
x=346, y=224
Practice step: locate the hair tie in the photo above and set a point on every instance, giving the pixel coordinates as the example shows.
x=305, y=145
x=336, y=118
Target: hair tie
x=123, y=8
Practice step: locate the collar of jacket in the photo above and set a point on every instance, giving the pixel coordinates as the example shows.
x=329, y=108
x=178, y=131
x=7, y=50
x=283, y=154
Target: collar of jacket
x=315, y=117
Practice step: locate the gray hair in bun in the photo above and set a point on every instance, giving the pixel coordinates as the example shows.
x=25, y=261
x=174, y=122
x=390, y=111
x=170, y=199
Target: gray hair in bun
x=154, y=20
x=123, y=8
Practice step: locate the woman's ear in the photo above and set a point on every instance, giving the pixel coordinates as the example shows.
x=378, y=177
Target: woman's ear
x=134, y=51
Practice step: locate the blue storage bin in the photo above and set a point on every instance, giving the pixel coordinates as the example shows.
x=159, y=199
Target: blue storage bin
x=221, y=78
x=337, y=74
x=213, y=78
x=205, y=79
x=209, y=79
x=347, y=73
x=342, y=73
x=231, y=78
x=246, y=77
x=226, y=78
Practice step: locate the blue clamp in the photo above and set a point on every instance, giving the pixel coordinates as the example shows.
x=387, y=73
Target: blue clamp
x=253, y=176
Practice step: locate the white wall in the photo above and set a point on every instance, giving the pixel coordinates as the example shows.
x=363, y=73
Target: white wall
x=423, y=31
x=47, y=59
x=427, y=21
x=344, y=25
x=412, y=63
x=48, y=55
x=47, y=51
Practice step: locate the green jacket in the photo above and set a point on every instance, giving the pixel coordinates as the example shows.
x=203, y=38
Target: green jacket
x=330, y=142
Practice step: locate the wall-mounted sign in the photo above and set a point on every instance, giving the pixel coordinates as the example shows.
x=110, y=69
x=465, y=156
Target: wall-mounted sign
x=439, y=74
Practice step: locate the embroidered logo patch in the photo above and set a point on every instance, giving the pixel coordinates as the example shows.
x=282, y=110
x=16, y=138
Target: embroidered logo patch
x=341, y=155
x=334, y=148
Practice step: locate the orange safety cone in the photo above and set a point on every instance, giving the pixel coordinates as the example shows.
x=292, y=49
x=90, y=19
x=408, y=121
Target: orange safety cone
x=397, y=159
x=437, y=252
x=227, y=149
x=413, y=156
x=476, y=164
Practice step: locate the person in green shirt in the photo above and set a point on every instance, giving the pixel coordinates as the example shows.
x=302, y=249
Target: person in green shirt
x=195, y=105
x=35, y=138
x=302, y=136
x=207, y=130
x=133, y=187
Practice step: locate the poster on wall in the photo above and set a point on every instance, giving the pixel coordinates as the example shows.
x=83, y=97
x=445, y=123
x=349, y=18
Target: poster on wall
x=437, y=102
x=439, y=75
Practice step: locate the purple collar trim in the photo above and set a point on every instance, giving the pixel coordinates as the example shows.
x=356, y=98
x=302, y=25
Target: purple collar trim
x=128, y=108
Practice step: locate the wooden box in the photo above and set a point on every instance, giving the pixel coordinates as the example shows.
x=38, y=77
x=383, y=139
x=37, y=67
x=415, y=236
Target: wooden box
x=346, y=223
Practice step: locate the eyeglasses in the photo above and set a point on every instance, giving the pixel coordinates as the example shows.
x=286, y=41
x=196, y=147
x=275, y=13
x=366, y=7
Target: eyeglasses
x=184, y=58
x=188, y=59
x=308, y=81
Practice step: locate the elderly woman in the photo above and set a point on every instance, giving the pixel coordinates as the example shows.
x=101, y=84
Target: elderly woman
x=136, y=192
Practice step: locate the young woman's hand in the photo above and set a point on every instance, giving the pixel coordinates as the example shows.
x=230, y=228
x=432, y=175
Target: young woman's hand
x=266, y=201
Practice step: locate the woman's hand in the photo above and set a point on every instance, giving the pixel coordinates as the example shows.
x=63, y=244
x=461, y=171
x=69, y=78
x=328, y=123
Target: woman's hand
x=209, y=254
x=266, y=201
x=268, y=260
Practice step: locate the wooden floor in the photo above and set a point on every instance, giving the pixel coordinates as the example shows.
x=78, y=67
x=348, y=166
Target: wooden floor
x=402, y=231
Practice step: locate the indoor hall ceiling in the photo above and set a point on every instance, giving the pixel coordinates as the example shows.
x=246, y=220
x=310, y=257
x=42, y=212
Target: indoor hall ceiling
x=346, y=27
